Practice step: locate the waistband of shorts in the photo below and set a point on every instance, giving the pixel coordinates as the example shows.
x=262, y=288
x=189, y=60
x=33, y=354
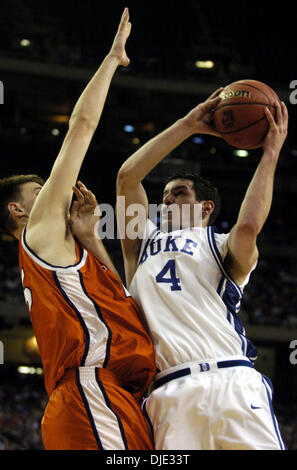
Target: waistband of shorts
x=197, y=367
x=88, y=373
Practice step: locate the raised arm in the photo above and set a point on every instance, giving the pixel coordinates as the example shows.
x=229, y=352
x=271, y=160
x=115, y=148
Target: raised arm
x=254, y=210
x=54, y=199
x=136, y=167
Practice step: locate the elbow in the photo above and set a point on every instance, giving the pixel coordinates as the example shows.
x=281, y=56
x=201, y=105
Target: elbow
x=123, y=178
x=249, y=228
x=83, y=120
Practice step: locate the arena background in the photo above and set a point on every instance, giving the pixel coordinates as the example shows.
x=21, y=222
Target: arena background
x=48, y=52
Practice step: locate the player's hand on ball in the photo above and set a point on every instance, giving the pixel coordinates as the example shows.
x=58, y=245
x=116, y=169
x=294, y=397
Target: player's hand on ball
x=118, y=46
x=200, y=119
x=278, y=128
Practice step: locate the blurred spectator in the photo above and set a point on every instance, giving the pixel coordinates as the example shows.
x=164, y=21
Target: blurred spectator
x=22, y=402
x=270, y=298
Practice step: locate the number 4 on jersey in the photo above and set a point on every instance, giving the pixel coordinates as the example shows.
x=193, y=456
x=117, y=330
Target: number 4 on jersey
x=172, y=278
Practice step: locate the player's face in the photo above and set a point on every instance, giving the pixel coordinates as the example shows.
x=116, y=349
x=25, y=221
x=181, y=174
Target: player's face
x=28, y=194
x=179, y=202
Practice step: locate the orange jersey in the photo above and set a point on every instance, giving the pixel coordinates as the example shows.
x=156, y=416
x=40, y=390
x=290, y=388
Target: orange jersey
x=83, y=316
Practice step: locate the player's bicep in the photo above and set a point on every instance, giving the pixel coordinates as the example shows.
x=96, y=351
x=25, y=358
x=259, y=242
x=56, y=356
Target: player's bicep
x=242, y=252
x=47, y=237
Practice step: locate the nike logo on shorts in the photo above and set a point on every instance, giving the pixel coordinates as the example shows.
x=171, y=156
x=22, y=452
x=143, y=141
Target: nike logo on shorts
x=255, y=407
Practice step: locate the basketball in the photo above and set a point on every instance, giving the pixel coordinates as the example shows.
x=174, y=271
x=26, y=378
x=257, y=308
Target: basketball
x=240, y=114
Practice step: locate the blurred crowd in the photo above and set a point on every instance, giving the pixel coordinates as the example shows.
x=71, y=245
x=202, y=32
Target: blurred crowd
x=22, y=401
x=270, y=298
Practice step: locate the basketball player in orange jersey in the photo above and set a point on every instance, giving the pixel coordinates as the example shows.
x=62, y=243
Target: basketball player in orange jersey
x=97, y=356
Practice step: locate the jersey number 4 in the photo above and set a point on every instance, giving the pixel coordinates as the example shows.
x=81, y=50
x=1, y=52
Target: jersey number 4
x=168, y=275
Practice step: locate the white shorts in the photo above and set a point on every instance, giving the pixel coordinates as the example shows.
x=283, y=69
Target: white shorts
x=211, y=407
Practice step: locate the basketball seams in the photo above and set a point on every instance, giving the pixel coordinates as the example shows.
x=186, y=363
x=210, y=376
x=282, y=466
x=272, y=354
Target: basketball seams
x=243, y=82
x=243, y=104
x=243, y=128
x=256, y=88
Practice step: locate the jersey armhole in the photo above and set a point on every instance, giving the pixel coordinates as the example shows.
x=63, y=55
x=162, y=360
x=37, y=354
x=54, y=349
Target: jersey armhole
x=211, y=230
x=44, y=264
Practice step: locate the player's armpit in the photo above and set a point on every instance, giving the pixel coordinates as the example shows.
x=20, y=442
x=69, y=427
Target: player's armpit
x=52, y=242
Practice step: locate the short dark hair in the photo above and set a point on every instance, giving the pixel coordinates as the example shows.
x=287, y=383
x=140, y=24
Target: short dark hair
x=204, y=190
x=10, y=191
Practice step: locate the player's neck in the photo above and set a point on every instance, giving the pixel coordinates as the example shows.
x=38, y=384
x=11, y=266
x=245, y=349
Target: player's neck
x=18, y=232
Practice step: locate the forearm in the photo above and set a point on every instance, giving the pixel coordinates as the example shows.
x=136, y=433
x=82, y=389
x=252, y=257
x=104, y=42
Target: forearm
x=257, y=202
x=136, y=167
x=82, y=125
x=91, y=102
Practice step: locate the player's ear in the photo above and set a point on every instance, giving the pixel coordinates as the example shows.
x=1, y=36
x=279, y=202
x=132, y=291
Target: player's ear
x=207, y=208
x=15, y=209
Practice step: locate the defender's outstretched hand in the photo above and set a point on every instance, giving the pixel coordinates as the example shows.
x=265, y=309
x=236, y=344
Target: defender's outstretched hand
x=118, y=46
x=85, y=212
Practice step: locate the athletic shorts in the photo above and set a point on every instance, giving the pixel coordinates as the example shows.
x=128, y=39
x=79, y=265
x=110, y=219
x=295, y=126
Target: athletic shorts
x=89, y=410
x=214, y=405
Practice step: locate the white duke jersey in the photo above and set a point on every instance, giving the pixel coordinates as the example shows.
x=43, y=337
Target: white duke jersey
x=190, y=302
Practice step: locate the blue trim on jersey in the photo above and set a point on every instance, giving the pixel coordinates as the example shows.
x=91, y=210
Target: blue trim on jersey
x=81, y=252
x=153, y=235
x=220, y=286
x=100, y=316
x=89, y=413
x=231, y=294
x=79, y=316
x=231, y=298
x=269, y=391
x=211, y=230
x=148, y=420
x=108, y=404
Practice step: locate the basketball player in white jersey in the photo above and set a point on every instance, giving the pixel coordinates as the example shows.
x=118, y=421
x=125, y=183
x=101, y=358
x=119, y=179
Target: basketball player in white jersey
x=189, y=284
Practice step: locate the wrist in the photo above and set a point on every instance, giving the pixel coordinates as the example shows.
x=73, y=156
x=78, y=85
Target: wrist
x=113, y=57
x=271, y=153
x=186, y=126
x=85, y=237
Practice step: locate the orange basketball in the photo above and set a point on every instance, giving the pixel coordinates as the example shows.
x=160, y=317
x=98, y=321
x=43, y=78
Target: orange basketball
x=240, y=114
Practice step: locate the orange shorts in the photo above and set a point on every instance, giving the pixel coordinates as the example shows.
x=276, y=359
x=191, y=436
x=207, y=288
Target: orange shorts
x=89, y=410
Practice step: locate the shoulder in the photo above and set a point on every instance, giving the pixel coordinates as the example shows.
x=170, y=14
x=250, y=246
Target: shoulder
x=217, y=240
